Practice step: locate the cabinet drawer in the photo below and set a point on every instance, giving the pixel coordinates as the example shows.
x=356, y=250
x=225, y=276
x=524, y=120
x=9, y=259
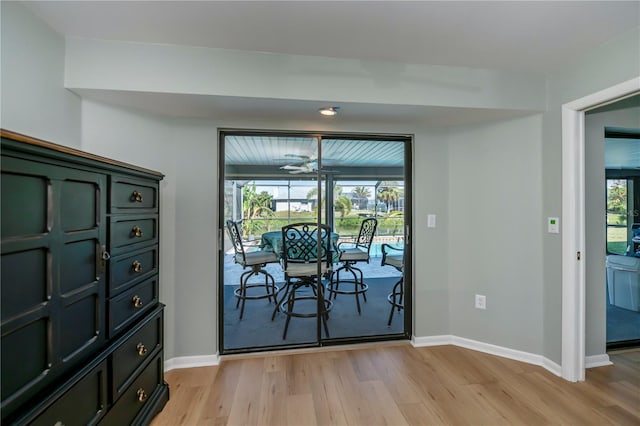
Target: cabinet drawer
x=145, y=343
x=132, y=194
x=132, y=232
x=131, y=268
x=126, y=307
x=83, y=404
x=136, y=396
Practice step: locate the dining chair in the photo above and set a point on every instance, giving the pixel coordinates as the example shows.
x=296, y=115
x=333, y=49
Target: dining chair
x=304, y=245
x=349, y=256
x=394, y=256
x=256, y=260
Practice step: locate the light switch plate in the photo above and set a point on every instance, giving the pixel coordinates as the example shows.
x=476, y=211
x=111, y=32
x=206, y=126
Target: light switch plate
x=553, y=225
x=431, y=221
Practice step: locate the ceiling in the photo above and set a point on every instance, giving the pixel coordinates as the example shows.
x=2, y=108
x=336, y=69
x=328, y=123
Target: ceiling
x=282, y=156
x=533, y=36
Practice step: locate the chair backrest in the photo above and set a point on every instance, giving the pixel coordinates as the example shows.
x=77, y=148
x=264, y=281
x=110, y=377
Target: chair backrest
x=366, y=234
x=300, y=243
x=236, y=239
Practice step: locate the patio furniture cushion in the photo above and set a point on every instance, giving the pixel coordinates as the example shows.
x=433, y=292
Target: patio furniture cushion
x=304, y=269
x=354, y=254
x=257, y=257
x=395, y=261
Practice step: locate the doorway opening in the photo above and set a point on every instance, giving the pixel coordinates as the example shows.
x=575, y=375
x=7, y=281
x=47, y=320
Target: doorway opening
x=573, y=217
x=622, y=166
x=357, y=187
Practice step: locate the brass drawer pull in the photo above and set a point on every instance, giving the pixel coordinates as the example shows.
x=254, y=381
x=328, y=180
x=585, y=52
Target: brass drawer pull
x=142, y=395
x=137, y=301
x=142, y=350
x=136, y=196
x=136, y=266
x=136, y=231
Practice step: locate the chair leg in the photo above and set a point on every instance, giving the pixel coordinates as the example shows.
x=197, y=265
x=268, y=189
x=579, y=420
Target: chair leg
x=269, y=286
x=243, y=291
x=360, y=287
x=244, y=278
x=279, y=302
x=290, y=304
x=396, y=299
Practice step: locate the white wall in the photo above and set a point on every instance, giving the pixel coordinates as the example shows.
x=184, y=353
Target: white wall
x=605, y=66
x=495, y=226
x=98, y=64
x=34, y=100
x=595, y=206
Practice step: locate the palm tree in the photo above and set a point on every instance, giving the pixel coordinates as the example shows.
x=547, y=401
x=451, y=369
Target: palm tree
x=389, y=194
x=342, y=204
x=254, y=205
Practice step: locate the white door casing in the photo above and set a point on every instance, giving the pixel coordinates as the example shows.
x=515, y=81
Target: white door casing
x=573, y=218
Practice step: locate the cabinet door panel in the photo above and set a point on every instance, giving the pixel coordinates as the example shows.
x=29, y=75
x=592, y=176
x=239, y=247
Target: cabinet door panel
x=79, y=204
x=24, y=281
x=25, y=203
x=25, y=358
x=80, y=324
x=78, y=264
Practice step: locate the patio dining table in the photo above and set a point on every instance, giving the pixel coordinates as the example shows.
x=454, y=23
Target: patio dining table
x=272, y=241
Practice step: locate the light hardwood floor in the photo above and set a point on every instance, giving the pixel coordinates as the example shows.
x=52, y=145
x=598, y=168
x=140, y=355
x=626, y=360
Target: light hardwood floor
x=399, y=385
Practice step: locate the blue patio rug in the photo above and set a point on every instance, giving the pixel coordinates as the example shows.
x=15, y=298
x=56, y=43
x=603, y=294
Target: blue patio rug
x=256, y=329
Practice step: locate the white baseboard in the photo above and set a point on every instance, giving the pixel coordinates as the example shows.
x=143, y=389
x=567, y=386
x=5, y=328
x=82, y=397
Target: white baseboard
x=597, y=361
x=419, y=342
x=529, y=358
x=191, y=361
x=488, y=348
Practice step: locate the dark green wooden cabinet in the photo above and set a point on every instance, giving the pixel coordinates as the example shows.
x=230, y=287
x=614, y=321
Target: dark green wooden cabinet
x=81, y=322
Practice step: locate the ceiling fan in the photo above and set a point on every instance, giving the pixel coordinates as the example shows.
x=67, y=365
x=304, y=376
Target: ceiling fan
x=307, y=164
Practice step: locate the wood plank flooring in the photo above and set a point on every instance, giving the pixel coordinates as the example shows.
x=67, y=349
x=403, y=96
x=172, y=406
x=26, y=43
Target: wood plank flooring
x=399, y=385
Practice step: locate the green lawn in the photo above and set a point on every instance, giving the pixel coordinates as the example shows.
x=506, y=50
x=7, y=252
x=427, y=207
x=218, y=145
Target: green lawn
x=616, y=239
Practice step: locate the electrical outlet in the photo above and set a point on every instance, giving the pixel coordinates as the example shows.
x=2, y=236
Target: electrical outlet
x=481, y=301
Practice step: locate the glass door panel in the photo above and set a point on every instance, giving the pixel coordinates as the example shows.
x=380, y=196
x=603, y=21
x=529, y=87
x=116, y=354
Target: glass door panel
x=270, y=182
x=368, y=213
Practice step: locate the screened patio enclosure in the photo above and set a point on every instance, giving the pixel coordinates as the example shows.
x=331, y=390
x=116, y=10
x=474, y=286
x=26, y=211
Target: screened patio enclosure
x=273, y=180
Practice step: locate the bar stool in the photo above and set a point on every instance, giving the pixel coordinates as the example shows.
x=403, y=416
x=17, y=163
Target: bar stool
x=349, y=257
x=256, y=260
x=300, y=257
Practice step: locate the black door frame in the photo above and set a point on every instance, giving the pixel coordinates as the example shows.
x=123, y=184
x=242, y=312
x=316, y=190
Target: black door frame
x=408, y=140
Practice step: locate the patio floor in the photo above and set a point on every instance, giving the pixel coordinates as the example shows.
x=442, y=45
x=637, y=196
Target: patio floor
x=257, y=330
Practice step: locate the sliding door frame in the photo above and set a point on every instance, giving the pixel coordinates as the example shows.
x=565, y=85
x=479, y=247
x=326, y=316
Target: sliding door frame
x=408, y=140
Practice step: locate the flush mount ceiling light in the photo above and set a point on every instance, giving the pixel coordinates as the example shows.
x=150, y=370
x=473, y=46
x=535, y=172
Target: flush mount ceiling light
x=329, y=111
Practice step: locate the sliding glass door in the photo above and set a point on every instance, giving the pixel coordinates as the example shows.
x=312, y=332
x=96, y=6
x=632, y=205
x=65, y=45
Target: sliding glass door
x=353, y=189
